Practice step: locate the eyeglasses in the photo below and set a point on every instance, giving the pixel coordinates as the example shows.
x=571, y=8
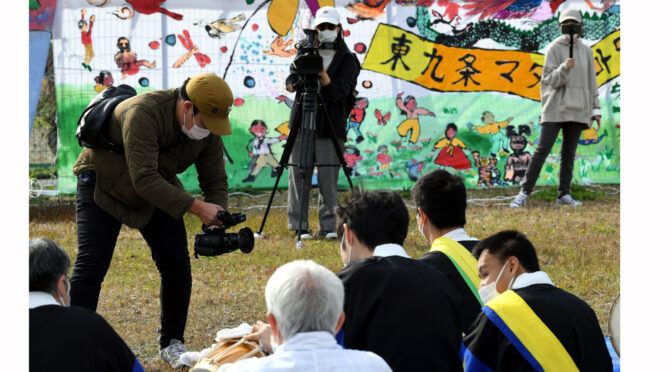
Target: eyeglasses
x=325, y=26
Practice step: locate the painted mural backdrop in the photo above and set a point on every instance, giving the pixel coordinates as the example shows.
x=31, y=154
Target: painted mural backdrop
x=444, y=83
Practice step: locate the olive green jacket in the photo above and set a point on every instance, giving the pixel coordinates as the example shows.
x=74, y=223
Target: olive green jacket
x=129, y=186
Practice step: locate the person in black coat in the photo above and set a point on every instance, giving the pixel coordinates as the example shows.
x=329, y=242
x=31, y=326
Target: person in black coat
x=337, y=82
x=395, y=306
x=64, y=338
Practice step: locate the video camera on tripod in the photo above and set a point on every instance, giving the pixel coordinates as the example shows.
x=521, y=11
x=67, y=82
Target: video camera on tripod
x=308, y=60
x=216, y=241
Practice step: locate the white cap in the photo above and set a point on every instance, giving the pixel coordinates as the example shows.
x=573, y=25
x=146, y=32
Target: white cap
x=570, y=14
x=327, y=14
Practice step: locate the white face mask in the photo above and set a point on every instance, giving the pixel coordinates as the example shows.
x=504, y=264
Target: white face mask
x=489, y=292
x=327, y=36
x=67, y=286
x=196, y=132
x=576, y=38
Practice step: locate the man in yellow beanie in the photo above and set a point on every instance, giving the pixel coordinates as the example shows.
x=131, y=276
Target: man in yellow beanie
x=162, y=133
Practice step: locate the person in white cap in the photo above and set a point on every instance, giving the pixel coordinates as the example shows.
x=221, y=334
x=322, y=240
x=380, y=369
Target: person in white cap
x=162, y=133
x=569, y=102
x=337, y=84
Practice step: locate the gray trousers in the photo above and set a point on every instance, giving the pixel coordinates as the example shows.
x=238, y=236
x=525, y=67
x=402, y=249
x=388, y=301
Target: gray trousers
x=571, y=132
x=321, y=151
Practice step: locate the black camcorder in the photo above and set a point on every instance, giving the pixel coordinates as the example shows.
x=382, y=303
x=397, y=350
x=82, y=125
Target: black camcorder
x=216, y=241
x=308, y=60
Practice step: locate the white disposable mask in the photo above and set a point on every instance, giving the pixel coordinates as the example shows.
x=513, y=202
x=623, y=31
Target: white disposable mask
x=196, y=132
x=421, y=226
x=576, y=38
x=327, y=36
x=489, y=292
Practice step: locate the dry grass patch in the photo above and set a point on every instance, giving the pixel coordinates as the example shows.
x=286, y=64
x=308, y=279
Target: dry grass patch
x=579, y=248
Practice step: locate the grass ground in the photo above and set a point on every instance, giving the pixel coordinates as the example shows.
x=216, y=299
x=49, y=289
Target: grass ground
x=579, y=248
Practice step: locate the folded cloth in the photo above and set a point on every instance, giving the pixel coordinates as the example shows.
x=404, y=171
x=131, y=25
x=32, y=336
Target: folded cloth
x=191, y=357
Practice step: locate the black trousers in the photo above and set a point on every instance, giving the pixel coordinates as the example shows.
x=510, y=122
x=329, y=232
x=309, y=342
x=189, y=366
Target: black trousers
x=97, y=233
x=571, y=133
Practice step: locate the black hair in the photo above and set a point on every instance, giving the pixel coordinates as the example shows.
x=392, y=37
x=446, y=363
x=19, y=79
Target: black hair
x=47, y=262
x=184, y=96
x=408, y=98
x=522, y=129
x=451, y=125
x=509, y=243
x=376, y=217
x=443, y=197
x=257, y=122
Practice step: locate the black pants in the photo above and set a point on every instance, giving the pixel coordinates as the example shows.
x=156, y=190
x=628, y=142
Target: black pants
x=97, y=233
x=571, y=132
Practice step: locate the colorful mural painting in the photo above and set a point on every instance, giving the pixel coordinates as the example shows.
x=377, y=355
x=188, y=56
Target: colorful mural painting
x=445, y=84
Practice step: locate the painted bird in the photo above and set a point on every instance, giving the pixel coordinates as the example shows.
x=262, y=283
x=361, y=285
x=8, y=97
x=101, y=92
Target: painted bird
x=366, y=9
x=153, y=6
x=510, y=9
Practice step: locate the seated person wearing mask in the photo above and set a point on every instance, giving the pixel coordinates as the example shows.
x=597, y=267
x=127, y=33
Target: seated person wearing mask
x=305, y=309
x=63, y=338
x=395, y=306
x=441, y=199
x=527, y=323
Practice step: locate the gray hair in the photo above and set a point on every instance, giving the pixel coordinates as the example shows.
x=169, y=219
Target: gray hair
x=48, y=261
x=304, y=297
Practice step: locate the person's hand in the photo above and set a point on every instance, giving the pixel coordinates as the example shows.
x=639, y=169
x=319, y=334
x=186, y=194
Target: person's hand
x=431, y=114
x=83, y=10
x=290, y=88
x=400, y=94
x=569, y=62
x=261, y=332
x=597, y=118
x=207, y=212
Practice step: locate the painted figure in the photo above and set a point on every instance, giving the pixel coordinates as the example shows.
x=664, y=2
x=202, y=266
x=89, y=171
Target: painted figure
x=409, y=107
x=352, y=157
x=493, y=128
x=86, y=28
x=384, y=159
x=516, y=163
x=414, y=169
x=451, y=154
x=103, y=80
x=127, y=60
x=357, y=115
x=259, y=149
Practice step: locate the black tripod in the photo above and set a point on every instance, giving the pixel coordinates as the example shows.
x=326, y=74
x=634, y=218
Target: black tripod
x=307, y=105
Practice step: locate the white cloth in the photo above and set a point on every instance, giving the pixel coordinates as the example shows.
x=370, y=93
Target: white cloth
x=528, y=279
x=311, y=351
x=458, y=235
x=190, y=358
x=385, y=250
x=37, y=299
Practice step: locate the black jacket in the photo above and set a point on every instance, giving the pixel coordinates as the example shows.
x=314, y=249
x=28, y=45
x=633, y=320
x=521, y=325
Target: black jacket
x=343, y=72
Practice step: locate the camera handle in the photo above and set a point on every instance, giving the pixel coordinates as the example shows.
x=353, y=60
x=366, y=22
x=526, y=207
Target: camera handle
x=571, y=45
x=307, y=104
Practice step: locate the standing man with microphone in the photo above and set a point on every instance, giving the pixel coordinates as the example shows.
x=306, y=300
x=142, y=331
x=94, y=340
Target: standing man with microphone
x=569, y=102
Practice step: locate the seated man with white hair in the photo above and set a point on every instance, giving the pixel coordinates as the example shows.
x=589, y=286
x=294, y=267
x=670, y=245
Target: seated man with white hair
x=305, y=310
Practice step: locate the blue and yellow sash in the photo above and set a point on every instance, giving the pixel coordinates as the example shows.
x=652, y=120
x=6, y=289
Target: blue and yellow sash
x=528, y=333
x=464, y=262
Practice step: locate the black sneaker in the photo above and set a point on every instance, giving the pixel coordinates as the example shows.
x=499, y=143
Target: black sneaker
x=249, y=178
x=171, y=353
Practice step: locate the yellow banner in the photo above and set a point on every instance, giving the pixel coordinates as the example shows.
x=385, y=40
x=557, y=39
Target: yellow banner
x=404, y=55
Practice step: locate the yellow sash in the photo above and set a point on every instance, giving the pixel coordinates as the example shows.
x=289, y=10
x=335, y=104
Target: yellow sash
x=465, y=263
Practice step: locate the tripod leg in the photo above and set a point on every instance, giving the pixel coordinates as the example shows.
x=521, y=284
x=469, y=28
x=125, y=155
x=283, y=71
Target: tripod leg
x=305, y=170
x=283, y=164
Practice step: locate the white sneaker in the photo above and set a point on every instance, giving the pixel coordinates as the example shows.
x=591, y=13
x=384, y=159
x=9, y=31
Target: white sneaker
x=171, y=354
x=567, y=200
x=331, y=235
x=305, y=235
x=520, y=200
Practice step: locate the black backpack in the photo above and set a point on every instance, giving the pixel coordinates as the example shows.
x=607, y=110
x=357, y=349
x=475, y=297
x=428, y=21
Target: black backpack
x=95, y=116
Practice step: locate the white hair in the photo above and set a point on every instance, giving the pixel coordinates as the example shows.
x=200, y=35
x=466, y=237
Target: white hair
x=304, y=297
